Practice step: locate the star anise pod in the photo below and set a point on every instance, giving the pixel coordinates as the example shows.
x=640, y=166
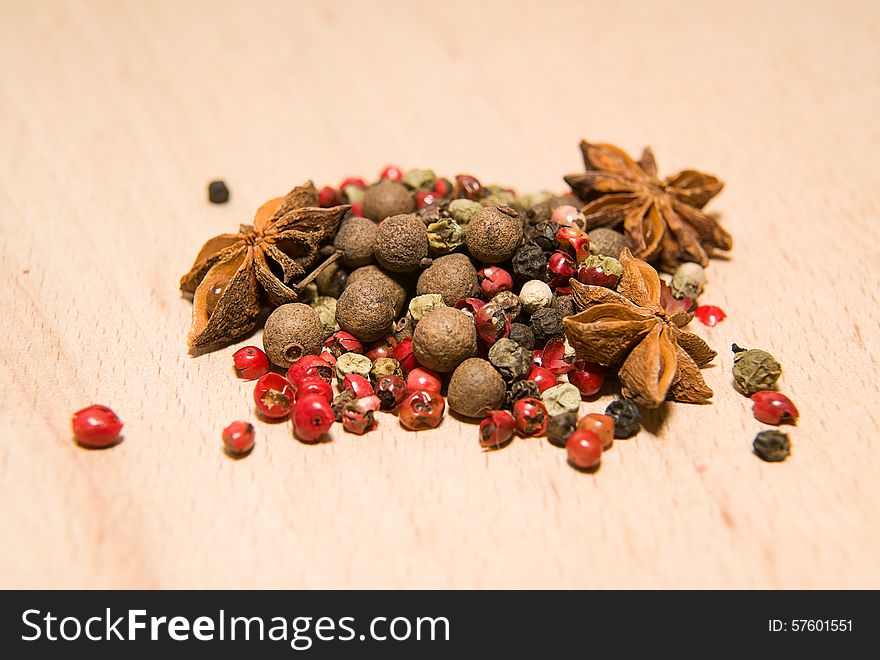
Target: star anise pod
x=663, y=217
x=629, y=327
x=234, y=275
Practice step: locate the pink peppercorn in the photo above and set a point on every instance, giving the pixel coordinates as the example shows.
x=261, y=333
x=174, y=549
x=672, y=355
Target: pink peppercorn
x=251, y=362
x=584, y=449
x=423, y=379
x=96, y=427
x=343, y=342
x=312, y=418
x=421, y=410
x=359, y=385
x=392, y=173
x=403, y=353
x=530, y=417
x=588, y=377
x=493, y=280
x=543, y=377
x=773, y=408
x=273, y=396
x=238, y=438
x=328, y=197
x=497, y=429
x=310, y=365
x=314, y=386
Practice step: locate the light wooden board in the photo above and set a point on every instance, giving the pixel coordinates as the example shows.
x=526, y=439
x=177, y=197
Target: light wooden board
x=115, y=115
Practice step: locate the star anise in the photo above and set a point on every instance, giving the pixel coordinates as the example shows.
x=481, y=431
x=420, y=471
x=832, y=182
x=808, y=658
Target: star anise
x=663, y=217
x=629, y=327
x=234, y=275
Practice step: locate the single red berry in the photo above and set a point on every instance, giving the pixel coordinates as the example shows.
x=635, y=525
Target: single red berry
x=470, y=306
x=312, y=418
x=355, y=181
x=314, y=385
x=584, y=449
x=496, y=430
x=251, y=362
x=358, y=416
x=238, y=438
x=774, y=408
x=492, y=323
x=343, y=342
x=553, y=357
x=421, y=410
x=96, y=427
x=359, y=385
x=601, y=425
x=357, y=210
x=710, y=315
x=560, y=269
x=328, y=357
x=381, y=348
x=392, y=173
x=403, y=353
x=423, y=379
x=575, y=239
x=443, y=187
x=543, y=377
x=588, y=377
x=568, y=216
x=310, y=365
x=468, y=186
x=273, y=395
x=530, y=417
x=596, y=276
x=425, y=198
x=391, y=390
x=328, y=197
x=493, y=280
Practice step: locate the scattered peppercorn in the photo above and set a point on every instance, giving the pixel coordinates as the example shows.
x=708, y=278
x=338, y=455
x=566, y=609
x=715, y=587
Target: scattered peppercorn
x=561, y=398
x=627, y=418
x=443, y=339
x=497, y=429
x=522, y=335
x=773, y=408
x=509, y=303
x=688, y=281
x=385, y=366
x=291, y=331
x=421, y=410
x=565, y=305
x=607, y=241
x=358, y=416
x=543, y=378
x=543, y=236
x=529, y=263
x=535, y=295
x=218, y=193
x=546, y=323
x=381, y=279
x=355, y=239
x=422, y=305
x=391, y=390
x=365, y=310
x=453, y=277
x=312, y=418
x=772, y=446
x=331, y=280
x=386, y=199
x=463, y=210
x=96, y=427
x=521, y=389
x=754, y=370
x=250, y=362
x=530, y=417
x=325, y=306
x=584, y=450
x=601, y=425
x=352, y=363
x=511, y=360
x=444, y=236
x=493, y=280
x=493, y=234
x=273, y=396
x=338, y=405
x=600, y=270
x=560, y=427
x=419, y=179
x=308, y=366
x=314, y=386
x=402, y=243
x=475, y=388
x=238, y=438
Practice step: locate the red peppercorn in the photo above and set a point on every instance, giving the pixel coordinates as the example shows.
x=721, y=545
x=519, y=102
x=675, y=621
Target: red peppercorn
x=425, y=197
x=310, y=365
x=96, y=427
x=392, y=173
x=494, y=280
x=391, y=390
x=381, y=348
x=553, y=357
x=584, y=449
x=251, y=362
x=468, y=186
x=328, y=197
x=359, y=385
x=568, y=216
x=443, y=187
x=423, y=379
x=328, y=357
x=601, y=425
x=596, y=276
x=496, y=430
x=343, y=342
x=543, y=377
x=710, y=315
x=421, y=410
x=316, y=386
x=358, y=416
x=576, y=239
x=357, y=182
x=560, y=269
x=357, y=210
x=588, y=377
x=469, y=306
x=774, y=408
x=530, y=417
x=492, y=323
x=403, y=353
x=312, y=418
x=273, y=395
x=238, y=438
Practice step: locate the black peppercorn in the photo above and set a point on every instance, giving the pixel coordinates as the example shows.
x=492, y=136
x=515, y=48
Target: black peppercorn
x=521, y=389
x=218, y=193
x=338, y=405
x=511, y=360
x=522, y=335
x=529, y=263
x=546, y=324
x=772, y=446
x=559, y=427
x=627, y=418
x=543, y=236
x=565, y=305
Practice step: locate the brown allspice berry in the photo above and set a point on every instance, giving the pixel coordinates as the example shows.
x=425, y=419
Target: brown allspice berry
x=331, y=280
x=444, y=338
x=493, y=234
x=383, y=279
x=402, y=243
x=453, y=277
x=365, y=310
x=291, y=331
x=355, y=239
x=386, y=199
x=475, y=388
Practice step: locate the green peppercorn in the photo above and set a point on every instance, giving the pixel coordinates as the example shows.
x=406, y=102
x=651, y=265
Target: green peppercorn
x=462, y=210
x=352, y=363
x=419, y=179
x=421, y=305
x=499, y=198
x=325, y=306
x=511, y=360
x=561, y=398
x=385, y=366
x=772, y=446
x=445, y=236
x=754, y=370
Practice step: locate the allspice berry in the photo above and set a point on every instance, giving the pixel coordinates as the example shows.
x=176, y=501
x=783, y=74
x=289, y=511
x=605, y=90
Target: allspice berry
x=444, y=338
x=475, y=388
x=291, y=331
x=402, y=243
x=331, y=280
x=493, y=234
x=355, y=240
x=365, y=310
x=608, y=242
x=453, y=277
x=380, y=278
x=387, y=198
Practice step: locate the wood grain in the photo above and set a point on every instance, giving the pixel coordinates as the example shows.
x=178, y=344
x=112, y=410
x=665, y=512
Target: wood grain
x=115, y=115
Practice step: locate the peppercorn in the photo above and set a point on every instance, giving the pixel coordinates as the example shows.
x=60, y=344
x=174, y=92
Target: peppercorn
x=509, y=303
x=383, y=279
x=352, y=363
x=543, y=236
x=403, y=328
x=475, y=388
x=498, y=197
x=463, y=210
x=444, y=338
x=453, y=277
x=754, y=370
x=497, y=429
x=331, y=280
x=529, y=263
x=546, y=323
x=560, y=427
x=339, y=404
x=365, y=310
x=421, y=305
x=354, y=195
x=522, y=335
x=688, y=281
x=531, y=199
x=772, y=446
x=521, y=389
x=391, y=390
x=325, y=306
x=419, y=179
x=238, y=439
x=561, y=398
x=402, y=243
x=535, y=295
x=386, y=199
x=530, y=417
x=584, y=449
x=218, y=193
x=421, y=410
x=385, y=366
x=444, y=236
x=627, y=418
x=291, y=331
x=511, y=360
x=355, y=239
x=601, y=425
x=250, y=362
x=600, y=270
x=543, y=211
x=96, y=427
x=607, y=242
x=564, y=304
x=493, y=234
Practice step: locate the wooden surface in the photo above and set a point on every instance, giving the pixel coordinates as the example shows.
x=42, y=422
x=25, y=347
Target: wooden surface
x=115, y=115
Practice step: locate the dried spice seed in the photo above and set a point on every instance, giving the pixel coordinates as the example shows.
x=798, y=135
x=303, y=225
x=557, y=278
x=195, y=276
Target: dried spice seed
x=568, y=216
x=467, y=186
x=358, y=416
x=710, y=315
x=584, y=449
x=443, y=339
x=314, y=386
x=218, y=193
x=422, y=410
x=420, y=379
x=493, y=280
x=535, y=295
x=530, y=417
x=453, y=277
x=600, y=271
x=774, y=408
x=688, y=281
x=403, y=353
x=343, y=342
x=463, y=210
x=521, y=389
x=522, y=335
x=607, y=242
x=273, y=396
x=543, y=378
x=496, y=430
x=754, y=370
x=588, y=377
x=561, y=398
x=331, y=280
x=352, y=363
x=355, y=240
x=509, y=303
x=387, y=199
x=546, y=323
x=543, y=236
x=365, y=310
x=308, y=366
x=419, y=179
x=338, y=405
x=312, y=418
x=358, y=385
x=391, y=390
x=511, y=360
x=238, y=438
x=445, y=235
x=560, y=427
x=292, y=331
x=529, y=263
x=627, y=418
x=385, y=366
x=401, y=243
x=250, y=362
x=325, y=307
x=563, y=304
x=96, y=427
x=392, y=173
x=475, y=388
x=492, y=323
x=378, y=278
x=601, y=425
x=772, y=446
x=560, y=269
x=493, y=234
